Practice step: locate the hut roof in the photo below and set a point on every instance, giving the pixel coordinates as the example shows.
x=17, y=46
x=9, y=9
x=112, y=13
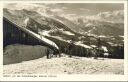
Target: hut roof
x=17, y=19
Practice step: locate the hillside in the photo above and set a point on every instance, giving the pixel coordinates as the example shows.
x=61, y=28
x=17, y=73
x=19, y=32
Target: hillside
x=62, y=31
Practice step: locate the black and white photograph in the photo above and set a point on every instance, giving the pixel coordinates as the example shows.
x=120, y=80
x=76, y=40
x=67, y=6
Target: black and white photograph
x=63, y=38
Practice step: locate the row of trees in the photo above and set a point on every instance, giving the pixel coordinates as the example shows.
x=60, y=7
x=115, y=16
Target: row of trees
x=76, y=50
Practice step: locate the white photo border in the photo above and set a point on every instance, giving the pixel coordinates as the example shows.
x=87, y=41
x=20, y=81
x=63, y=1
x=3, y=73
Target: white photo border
x=75, y=77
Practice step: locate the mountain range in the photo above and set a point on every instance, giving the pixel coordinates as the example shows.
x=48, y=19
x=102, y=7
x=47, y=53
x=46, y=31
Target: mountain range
x=61, y=30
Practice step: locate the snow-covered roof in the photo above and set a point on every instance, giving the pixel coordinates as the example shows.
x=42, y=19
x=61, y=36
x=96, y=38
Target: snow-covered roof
x=37, y=36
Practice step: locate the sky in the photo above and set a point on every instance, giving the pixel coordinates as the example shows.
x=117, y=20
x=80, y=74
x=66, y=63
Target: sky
x=68, y=8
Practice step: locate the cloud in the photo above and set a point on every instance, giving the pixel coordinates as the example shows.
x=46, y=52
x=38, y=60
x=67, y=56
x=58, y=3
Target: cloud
x=71, y=11
x=83, y=9
x=113, y=16
x=20, y=6
x=56, y=10
x=64, y=8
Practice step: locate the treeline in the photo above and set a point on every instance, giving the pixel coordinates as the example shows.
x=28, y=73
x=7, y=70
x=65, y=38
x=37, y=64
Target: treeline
x=113, y=51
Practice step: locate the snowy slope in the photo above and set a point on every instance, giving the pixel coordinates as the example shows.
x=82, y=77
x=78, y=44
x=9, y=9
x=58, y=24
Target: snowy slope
x=65, y=65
